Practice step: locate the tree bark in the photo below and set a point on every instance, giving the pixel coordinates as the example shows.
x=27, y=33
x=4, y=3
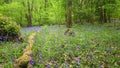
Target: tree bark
x=29, y=15
x=105, y=16
x=69, y=14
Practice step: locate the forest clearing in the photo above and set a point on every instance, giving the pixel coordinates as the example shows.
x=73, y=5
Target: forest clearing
x=59, y=34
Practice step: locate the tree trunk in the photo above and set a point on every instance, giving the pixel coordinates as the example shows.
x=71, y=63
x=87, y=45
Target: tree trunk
x=105, y=16
x=69, y=14
x=29, y=15
x=101, y=14
x=105, y=13
x=109, y=18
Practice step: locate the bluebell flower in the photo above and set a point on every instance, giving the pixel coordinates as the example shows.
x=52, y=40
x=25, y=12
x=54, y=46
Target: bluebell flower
x=40, y=56
x=78, y=61
x=31, y=55
x=0, y=38
x=100, y=66
x=78, y=47
x=32, y=62
x=13, y=60
x=16, y=40
x=36, y=29
x=5, y=38
x=48, y=67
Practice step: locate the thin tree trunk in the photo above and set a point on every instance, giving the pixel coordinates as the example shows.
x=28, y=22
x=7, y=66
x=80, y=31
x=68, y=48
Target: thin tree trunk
x=105, y=13
x=101, y=15
x=109, y=18
x=69, y=14
x=29, y=15
x=105, y=16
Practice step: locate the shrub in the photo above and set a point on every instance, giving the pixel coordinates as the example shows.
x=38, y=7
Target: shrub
x=9, y=30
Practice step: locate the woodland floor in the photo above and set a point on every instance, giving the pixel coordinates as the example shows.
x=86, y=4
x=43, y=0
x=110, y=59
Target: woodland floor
x=91, y=46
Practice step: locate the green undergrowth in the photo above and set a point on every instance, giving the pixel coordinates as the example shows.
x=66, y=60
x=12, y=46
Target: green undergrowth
x=9, y=51
x=93, y=46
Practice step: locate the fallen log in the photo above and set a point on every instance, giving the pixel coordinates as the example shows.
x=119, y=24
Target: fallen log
x=25, y=60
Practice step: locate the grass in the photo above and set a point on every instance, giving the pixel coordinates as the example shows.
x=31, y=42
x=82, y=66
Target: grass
x=9, y=51
x=93, y=46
